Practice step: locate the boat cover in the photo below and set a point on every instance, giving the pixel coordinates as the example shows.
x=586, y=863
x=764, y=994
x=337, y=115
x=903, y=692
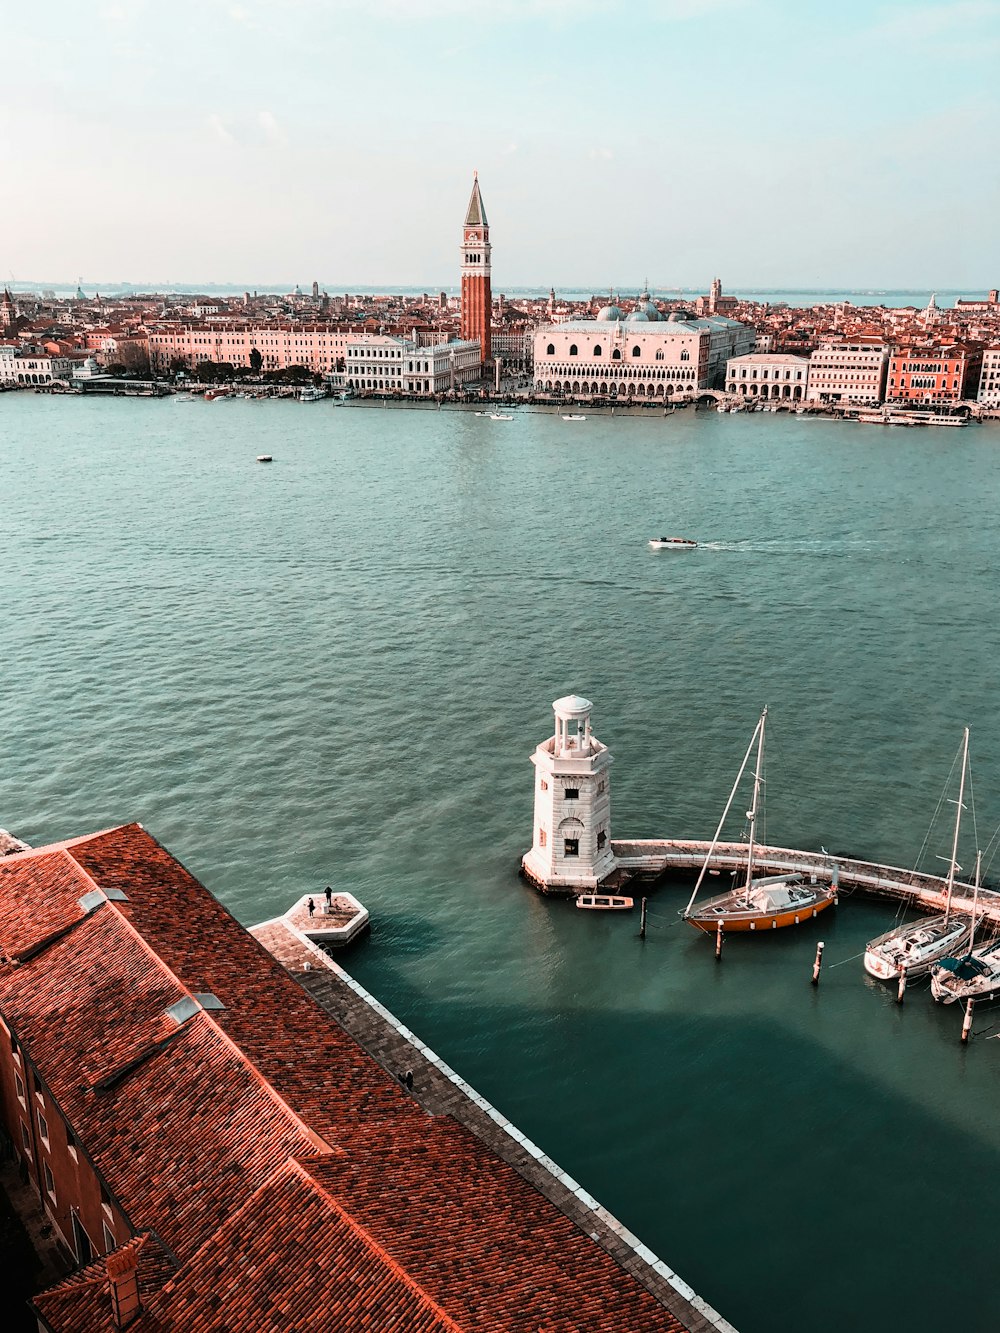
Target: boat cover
x=965, y=968
x=774, y=897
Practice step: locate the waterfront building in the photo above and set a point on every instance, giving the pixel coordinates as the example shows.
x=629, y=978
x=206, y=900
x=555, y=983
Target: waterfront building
x=933, y=374
x=848, y=372
x=27, y=366
x=215, y=1150
x=989, y=306
x=774, y=375
x=321, y=348
x=641, y=354
x=477, y=301
x=571, y=846
x=989, y=379
x=401, y=365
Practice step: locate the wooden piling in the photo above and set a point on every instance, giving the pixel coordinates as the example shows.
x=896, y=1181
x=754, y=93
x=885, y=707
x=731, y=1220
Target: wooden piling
x=901, y=988
x=718, y=942
x=967, y=1021
x=642, y=920
x=818, y=962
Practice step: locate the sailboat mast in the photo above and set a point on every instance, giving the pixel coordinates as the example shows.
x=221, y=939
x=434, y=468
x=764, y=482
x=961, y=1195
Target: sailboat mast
x=725, y=813
x=975, y=901
x=958, y=823
x=756, y=797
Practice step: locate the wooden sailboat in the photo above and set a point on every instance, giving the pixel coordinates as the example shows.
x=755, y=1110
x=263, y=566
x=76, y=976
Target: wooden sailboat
x=766, y=903
x=914, y=948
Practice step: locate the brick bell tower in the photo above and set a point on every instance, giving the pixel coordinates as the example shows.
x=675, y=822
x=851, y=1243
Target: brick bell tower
x=477, y=299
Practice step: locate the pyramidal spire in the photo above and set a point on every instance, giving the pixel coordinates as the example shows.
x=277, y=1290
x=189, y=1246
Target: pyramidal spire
x=476, y=214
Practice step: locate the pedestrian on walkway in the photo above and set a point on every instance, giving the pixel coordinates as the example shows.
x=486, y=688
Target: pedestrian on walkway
x=312, y=906
x=329, y=898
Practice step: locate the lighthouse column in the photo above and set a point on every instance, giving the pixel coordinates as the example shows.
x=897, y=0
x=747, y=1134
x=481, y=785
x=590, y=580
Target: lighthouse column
x=571, y=843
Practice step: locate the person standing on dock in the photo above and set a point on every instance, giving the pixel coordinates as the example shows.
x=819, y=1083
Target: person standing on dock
x=329, y=899
x=312, y=906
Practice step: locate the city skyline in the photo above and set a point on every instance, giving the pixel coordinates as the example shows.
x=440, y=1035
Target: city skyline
x=788, y=148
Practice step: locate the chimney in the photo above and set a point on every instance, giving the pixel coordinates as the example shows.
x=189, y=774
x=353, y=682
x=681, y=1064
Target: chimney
x=123, y=1280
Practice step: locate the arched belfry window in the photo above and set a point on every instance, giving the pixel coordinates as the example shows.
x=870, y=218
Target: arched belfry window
x=572, y=349
x=598, y=350
x=616, y=355
x=636, y=351
x=685, y=356
x=550, y=350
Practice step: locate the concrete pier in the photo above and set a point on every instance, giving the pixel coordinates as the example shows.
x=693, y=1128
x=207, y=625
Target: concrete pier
x=650, y=858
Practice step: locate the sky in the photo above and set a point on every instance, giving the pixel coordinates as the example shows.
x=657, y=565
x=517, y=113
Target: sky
x=774, y=143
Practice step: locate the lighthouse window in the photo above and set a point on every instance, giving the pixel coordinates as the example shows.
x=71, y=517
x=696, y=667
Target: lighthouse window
x=542, y=837
x=602, y=838
x=543, y=784
x=571, y=793
x=571, y=847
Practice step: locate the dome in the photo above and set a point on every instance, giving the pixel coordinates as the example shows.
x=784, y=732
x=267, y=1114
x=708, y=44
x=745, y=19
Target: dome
x=609, y=312
x=637, y=317
x=648, y=310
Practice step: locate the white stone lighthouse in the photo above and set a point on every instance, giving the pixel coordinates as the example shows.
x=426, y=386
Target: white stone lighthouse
x=571, y=846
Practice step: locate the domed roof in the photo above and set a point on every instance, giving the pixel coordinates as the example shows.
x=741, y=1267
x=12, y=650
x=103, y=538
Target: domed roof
x=637, y=317
x=572, y=705
x=609, y=312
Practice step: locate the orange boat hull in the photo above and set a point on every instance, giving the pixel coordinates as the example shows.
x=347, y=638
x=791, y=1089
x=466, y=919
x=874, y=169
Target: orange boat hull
x=762, y=921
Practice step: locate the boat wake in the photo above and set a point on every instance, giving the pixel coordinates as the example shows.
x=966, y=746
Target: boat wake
x=796, y=546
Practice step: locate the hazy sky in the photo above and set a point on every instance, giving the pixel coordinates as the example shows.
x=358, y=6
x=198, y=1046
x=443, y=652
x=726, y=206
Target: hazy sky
x=772, y=142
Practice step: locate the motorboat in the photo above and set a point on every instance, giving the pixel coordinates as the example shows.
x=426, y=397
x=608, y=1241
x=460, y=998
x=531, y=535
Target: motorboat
x=311, y=394
x=764, y=903
x=604, y=902
x=264, y=458
x=501, y=416
x=183, y=397
x=914, y=948
x=212, y=394
x=574, y=416
x=672, y=543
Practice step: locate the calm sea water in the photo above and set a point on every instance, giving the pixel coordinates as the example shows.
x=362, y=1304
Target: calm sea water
x=333, y=669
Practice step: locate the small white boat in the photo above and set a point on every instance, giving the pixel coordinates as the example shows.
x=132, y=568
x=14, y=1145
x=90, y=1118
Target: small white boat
x=574, y=416
x=310, y=394
x=975, y=976
x=500, y=416
x=672, y=544
x=183, y=397
x=604, y=902
x=264, y=458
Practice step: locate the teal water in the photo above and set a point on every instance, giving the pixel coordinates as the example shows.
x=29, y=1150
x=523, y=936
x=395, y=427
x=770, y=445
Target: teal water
x=333, y=669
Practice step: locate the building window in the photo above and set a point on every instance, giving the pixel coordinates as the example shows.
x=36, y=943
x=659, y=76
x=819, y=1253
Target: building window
x=636, y=350
x=600, y=786
x=105, y=1199
x=19, y=1089
x=550, y=350
x=71, y=1143
x=543, y=837
x=50, y=1184
x=25, y=1138
x=571, y=793
x=571, y=847
x=543, y=784
x=43, y=1128
x=109, y=1239
x=616, y=355
x=659, y=356
x=685, y=356
x=598, y=349
x=572, y=349
x=602, y=838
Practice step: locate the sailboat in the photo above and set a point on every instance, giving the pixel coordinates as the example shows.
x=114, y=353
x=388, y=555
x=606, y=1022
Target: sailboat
x=975, y=975
x=764, y=903
x=914, y=948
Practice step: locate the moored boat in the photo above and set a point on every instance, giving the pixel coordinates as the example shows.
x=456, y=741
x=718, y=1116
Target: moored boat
x=311, y=394
x=976, y=976
x=770, y=902
x=574, y=416
x=915, y=947
x=500, y=416
x=604, y=902
x=672, y=543
x=265, y=458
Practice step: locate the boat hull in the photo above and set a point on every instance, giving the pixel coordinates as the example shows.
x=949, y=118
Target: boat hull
x=736, y=920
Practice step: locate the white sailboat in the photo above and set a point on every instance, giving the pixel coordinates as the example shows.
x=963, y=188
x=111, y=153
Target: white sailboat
x=913, y=949
x=974, y=975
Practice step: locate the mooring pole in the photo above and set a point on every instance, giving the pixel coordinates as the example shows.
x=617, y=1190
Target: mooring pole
x=642, y=920
x=901, y=988
x=718, y=942
x=818, y=962
x=967, y=1021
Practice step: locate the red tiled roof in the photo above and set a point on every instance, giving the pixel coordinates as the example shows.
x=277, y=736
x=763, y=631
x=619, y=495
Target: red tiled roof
x=285, y=1169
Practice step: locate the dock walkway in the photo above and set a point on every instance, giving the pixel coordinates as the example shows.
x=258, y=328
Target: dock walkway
x=649, y=858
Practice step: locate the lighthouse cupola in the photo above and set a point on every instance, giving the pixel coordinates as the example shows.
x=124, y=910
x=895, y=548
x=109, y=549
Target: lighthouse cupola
x=571, y=844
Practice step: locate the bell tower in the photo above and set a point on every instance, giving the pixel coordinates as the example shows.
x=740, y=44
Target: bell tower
x=571, y=847
x=477, y=299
